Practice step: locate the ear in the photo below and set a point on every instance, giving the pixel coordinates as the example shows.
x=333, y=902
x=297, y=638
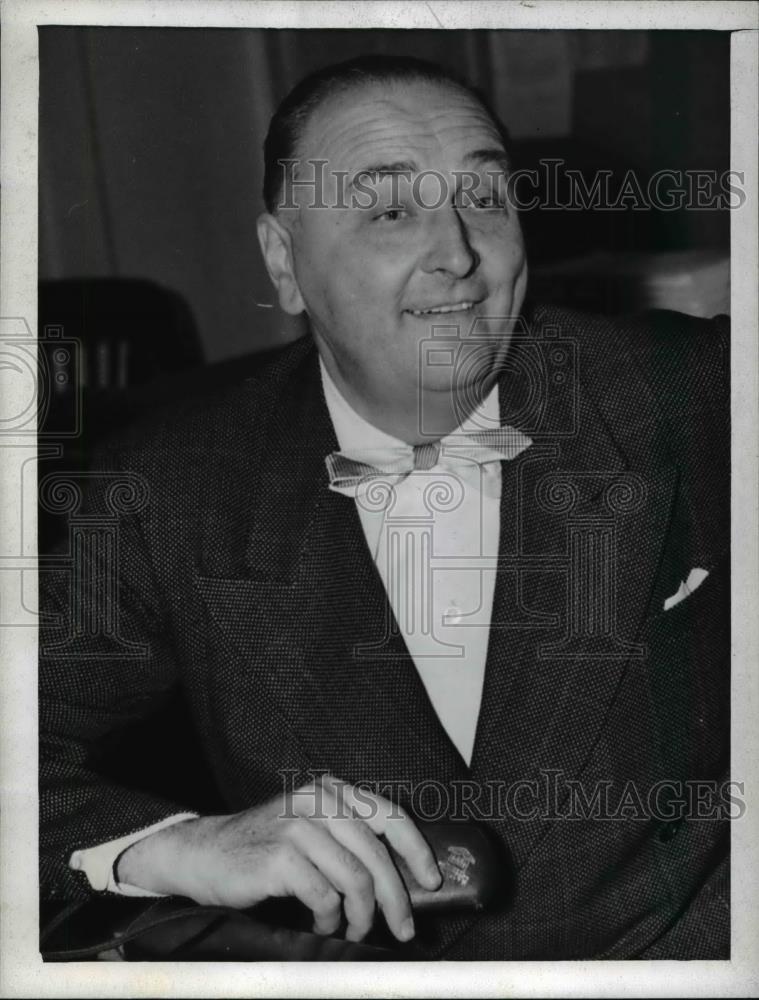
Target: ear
x=276, y=247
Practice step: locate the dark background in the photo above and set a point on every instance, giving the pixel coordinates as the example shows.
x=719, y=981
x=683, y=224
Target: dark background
x=150, y=156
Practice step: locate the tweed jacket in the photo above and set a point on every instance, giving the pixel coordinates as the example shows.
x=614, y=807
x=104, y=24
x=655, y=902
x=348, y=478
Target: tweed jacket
x=244, y=583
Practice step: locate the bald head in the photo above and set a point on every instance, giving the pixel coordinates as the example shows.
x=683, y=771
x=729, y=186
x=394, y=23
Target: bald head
x=283, y=147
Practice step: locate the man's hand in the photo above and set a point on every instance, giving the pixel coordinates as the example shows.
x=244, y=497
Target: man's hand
x=319, y=844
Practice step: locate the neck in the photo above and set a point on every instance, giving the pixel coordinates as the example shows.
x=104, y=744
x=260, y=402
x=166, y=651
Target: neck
x=414, y=418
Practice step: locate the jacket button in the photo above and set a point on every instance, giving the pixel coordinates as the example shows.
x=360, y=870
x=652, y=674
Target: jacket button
x=668, y=830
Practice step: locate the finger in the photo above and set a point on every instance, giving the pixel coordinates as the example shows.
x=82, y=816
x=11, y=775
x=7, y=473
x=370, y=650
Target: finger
x=344, y=871
x=388, y=819
x=318, y=799
x=304, y=881
x=325, y=805
x=388, y=886
x=389, y=889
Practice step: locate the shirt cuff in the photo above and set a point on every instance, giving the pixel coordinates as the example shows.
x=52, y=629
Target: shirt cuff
x=98, y=862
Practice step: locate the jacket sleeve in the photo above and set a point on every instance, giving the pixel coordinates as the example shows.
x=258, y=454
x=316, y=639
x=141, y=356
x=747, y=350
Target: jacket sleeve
x=105, y=660
x=99, y=863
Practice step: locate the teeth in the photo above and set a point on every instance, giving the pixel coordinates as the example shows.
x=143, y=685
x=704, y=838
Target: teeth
x=459, y=307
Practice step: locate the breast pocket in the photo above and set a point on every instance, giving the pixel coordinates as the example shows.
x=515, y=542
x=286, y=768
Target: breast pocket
x=711, y=598
x=689, y=673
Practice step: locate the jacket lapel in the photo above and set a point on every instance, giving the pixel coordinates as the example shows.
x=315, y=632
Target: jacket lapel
x=347, y=683
x=587, y=530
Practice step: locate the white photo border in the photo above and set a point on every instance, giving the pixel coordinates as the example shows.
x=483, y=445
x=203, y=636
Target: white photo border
x=22, y=972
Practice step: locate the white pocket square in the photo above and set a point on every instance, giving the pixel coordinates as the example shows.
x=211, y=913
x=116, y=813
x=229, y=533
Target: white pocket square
x=695, y=578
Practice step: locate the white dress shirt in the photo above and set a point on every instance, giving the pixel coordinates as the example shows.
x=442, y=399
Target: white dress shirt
x=429, y=544
x=435, y=545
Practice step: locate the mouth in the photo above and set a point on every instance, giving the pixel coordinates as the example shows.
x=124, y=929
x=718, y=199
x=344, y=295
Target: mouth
x=453, y=307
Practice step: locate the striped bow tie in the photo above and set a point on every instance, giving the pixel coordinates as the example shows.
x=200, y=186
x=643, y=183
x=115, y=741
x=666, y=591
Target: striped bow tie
x=462, y=454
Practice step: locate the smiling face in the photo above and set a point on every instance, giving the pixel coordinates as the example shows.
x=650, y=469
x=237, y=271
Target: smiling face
x=424, y=239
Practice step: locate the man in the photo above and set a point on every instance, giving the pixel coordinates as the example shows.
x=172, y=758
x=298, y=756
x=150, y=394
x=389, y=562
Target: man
x=443, y=557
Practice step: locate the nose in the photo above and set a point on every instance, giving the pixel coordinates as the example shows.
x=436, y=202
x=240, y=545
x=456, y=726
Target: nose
x=449, y=249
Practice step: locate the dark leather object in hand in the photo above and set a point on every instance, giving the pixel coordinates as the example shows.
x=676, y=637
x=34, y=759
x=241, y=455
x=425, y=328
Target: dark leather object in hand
x=474, y=873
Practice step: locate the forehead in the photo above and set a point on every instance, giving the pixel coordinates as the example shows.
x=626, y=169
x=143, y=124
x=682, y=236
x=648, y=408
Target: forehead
x=434, y=125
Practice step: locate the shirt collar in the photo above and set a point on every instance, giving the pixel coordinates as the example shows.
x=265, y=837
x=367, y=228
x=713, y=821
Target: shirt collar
x=357, y=436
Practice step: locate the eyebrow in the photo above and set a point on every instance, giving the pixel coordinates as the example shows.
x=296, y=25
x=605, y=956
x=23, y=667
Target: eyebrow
x=379, y=170
x=493, y=155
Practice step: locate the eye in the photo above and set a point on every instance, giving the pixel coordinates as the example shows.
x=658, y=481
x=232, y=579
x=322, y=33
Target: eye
x=487, y=202
x=392, y=215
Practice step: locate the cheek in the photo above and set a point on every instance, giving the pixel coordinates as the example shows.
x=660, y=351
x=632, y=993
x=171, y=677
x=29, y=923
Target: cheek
x=518, y=255
x=376, y=278
x=503, y=257
x=512, y=245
